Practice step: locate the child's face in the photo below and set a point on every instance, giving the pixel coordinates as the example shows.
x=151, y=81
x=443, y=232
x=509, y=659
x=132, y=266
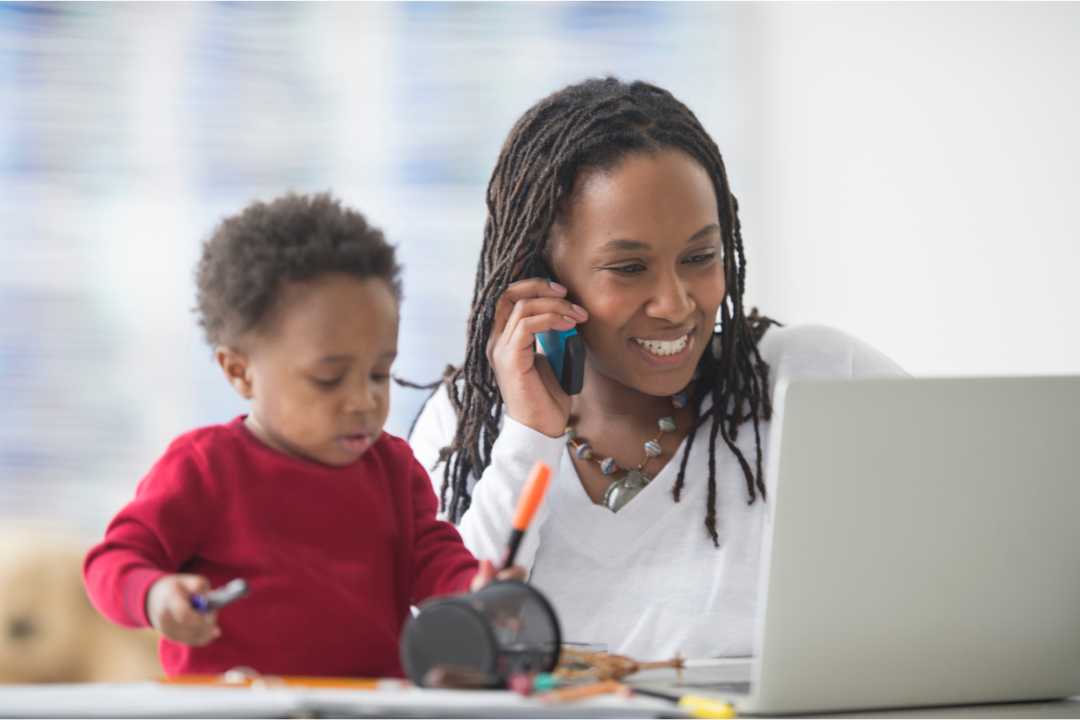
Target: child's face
x=318, y=373
x=640, y=249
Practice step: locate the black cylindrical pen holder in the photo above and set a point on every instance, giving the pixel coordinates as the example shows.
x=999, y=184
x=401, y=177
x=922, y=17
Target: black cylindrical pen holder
x=505, y=628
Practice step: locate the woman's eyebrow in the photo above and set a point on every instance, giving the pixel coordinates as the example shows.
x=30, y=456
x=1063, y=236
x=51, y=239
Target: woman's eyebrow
x=624, y=244
x=627, y=244
x=710, y=228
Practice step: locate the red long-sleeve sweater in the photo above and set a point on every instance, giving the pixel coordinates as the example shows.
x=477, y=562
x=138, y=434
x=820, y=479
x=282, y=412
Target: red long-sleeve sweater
x=333, y=556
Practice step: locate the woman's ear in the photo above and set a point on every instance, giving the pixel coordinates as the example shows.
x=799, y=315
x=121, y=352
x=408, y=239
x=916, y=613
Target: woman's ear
x=237, y=368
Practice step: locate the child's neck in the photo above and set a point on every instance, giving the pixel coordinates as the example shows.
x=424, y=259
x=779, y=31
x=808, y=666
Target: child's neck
x=262, y=435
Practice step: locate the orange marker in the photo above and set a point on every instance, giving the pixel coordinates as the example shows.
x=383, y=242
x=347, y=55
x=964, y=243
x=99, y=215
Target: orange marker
x=526, y=508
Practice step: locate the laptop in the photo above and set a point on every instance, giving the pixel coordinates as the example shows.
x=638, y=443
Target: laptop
x=923, y=549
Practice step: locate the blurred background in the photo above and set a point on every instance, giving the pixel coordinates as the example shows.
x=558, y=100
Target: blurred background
x=907, y=173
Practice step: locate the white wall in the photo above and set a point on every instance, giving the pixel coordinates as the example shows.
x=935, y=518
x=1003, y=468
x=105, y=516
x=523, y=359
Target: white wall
x=918, y=177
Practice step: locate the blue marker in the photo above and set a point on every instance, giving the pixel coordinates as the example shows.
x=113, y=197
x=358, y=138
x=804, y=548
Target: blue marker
x=233, y=590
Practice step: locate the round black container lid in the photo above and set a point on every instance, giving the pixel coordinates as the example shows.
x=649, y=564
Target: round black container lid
x=449, y=633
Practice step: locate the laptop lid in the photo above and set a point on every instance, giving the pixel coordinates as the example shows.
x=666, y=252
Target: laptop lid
x=924, y=547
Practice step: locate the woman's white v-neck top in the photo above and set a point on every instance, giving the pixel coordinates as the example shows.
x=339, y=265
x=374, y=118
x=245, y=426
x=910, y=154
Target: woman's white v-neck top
x=646, y=581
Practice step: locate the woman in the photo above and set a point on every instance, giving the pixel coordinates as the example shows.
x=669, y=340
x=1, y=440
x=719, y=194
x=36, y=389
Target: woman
x=609, y=211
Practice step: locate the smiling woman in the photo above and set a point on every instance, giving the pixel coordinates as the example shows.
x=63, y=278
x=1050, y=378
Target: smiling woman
x=656, y=510
x=652, y=292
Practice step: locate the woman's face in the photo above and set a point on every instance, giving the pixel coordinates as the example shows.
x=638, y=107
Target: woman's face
x=639, y=247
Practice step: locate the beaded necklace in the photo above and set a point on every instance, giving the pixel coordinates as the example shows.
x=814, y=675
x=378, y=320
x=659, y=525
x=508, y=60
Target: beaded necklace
x=623, y=489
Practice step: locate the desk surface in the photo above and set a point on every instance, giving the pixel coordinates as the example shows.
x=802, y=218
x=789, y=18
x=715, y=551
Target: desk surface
x=156, y=700
x=123, y=700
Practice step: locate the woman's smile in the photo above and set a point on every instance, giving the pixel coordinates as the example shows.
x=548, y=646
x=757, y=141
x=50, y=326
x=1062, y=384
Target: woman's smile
x=666, y=354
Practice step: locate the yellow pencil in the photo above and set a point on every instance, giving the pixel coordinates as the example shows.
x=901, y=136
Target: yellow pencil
x=695, y=705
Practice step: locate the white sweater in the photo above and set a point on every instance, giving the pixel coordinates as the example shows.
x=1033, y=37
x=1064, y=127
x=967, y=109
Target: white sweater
x=646, y=581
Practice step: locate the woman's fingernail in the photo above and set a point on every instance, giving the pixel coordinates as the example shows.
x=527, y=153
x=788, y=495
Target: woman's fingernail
x=572, y=321
x=578, y=310
x=556, y=286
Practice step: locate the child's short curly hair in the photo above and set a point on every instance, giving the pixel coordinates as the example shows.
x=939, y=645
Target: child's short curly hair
x=294, y=238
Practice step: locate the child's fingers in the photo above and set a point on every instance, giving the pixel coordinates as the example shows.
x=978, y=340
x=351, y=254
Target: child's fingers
x=514, y=572
x=181, y=611
x=189, y=626
x=193, y=584
x=483, y=575
x=170, y=612
x=205, y=635
x=486, y=574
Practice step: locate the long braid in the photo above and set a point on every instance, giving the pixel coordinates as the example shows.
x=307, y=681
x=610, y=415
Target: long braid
x=594, y=124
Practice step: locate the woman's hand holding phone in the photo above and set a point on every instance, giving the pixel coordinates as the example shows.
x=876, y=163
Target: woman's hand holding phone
x=530, y=390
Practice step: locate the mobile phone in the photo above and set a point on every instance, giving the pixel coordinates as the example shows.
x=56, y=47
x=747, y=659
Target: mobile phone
x=565, y=351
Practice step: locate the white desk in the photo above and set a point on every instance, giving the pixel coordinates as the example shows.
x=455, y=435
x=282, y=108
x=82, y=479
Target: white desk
x=155, y=700
x=126, y=700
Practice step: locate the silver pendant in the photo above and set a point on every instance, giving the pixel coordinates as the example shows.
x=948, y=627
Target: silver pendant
x=635, y=479
x=624, y=489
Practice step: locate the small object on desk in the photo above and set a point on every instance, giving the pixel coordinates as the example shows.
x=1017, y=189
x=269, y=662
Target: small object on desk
x=576, y=664
x=573, y=693
x=528, y=683
x=695, y=705
x=521, y=683
x=451, y=677
x=240, y=675
x=505, y=627
x=530, y=499
x=222, y=596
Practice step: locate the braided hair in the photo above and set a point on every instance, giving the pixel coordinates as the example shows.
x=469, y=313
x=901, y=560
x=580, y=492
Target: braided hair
x=593, y=125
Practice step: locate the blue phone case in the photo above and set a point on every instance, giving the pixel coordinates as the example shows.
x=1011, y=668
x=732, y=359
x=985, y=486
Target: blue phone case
x=566, y=353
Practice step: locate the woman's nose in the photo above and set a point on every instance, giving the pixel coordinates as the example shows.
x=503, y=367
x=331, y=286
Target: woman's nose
x=671, y=300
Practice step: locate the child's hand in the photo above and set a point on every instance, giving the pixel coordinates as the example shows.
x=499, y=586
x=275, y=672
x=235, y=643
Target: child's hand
x=486, y=574
x=168, y=605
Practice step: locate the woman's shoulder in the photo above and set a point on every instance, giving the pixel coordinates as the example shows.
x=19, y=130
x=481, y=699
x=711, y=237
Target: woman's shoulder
x=822, y=351
x=433, y=428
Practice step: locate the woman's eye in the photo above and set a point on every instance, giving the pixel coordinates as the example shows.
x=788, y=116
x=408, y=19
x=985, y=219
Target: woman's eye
x=631, y=269
x=380, y=377
x=327, y=383
x=701, y=258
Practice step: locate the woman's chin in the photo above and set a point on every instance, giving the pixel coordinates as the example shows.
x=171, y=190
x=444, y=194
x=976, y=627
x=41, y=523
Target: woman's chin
x=664, y=386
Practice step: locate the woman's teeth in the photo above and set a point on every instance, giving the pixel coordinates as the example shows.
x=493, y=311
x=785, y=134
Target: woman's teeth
x=664, y=347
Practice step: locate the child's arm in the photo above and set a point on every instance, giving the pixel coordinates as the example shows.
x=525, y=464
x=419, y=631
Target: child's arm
x=442, y=563
x=147, y=542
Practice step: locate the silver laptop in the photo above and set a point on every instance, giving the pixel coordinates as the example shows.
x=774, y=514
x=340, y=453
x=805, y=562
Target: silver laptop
x=924, y=548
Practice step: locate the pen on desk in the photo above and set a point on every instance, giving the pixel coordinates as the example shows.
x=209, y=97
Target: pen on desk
x=697, y=706
x=233, y=590
x=530, y=499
